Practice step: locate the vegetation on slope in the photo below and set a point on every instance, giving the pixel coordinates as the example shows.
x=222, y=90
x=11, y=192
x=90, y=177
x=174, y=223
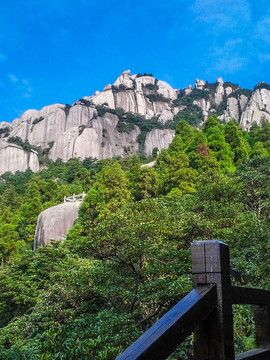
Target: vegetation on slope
x=127, y=260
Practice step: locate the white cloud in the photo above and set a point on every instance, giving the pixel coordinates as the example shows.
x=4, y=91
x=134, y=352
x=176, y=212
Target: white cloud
x=231, y=45
x=231, y=57
x=22, y=87
x=231, y=64
x=222, y=14
x=262, y=31
x=13, y=78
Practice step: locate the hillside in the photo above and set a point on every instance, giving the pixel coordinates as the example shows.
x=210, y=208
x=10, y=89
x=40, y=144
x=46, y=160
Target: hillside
x=127, y=259
x=137, y=114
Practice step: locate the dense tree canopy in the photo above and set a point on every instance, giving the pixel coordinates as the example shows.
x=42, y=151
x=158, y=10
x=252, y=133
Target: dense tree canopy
x=127, y=260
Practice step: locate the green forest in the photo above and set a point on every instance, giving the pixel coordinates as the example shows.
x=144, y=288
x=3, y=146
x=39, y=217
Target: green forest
x=127, y=260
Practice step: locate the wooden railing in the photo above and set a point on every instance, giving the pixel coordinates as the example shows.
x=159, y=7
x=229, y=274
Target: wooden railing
x=207, y=311
x=74, y=197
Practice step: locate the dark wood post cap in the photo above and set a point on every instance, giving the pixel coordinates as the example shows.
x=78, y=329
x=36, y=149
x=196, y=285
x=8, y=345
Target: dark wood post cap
x=210, y=256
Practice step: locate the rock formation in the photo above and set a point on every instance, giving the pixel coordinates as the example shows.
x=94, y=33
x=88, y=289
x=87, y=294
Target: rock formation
x=13, y=158
x=257, y=108
x=55, y=222
x=157, y=138
x=136, y=113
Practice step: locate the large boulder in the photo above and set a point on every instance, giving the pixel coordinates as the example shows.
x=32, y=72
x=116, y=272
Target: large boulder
x=55, y=222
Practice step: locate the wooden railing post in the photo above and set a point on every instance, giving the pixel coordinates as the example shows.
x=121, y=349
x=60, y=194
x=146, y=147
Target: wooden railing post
x=262, y=325
x=211, y=265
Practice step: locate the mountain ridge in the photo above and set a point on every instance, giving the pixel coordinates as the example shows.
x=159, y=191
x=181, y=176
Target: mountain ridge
x=138, y=113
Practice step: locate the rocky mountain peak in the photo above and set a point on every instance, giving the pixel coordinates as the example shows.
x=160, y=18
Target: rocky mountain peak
x=136, y=113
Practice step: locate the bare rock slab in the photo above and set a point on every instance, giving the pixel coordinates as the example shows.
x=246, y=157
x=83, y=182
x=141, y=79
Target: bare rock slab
x=55, y=222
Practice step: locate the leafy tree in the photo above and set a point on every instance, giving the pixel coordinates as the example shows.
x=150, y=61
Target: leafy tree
x=237, y=139
x=217, y=143
x=260, y=134
x=141, y=245
x=254, y=174
x=175, y=172
x=144, y=183
x=127, y=259
x=26, y=217
x=259, y=150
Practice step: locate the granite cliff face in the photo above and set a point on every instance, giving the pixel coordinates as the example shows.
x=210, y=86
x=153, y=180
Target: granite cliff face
x=257, y=109
x=14, y=158
x=136, y=113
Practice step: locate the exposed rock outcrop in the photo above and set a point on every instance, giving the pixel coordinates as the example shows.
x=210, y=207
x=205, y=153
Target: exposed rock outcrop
x=13, y=158
x=149, y=165
x=130, y=93
x=160, y=139
x=55, y=222
x=101, y=140
x=200, y=84
x=257, y=109
x=219, y=91
x=95, y=127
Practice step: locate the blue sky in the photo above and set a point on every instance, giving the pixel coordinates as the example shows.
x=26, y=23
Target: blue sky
x=59, y=51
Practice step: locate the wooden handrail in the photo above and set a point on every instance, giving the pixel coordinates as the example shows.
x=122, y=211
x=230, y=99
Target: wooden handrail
x=243, y=295
x=168, y=332
x=207, y=310
x=258, y=354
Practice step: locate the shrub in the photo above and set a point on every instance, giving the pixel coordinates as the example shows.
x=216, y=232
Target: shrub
x=124, y=126
x=187, y=100
x=262, y=85
x=219, y=109
x=151, y=86
x=86, y=102
x=157, y=97
x=5, y=131
x=141, y=140
x=38, y=120
x=211, y=86
x=230, y=84
x=144, y=74
x=18, y=141
x=81, y=128
x=119, y=88
x=192, y=114
x=101, y=110
x=66, y=109
x=239, y=92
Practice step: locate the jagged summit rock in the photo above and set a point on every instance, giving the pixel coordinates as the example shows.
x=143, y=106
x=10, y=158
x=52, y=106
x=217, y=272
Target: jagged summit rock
x=200, y=84
x=135, y=113
x=220, y=81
